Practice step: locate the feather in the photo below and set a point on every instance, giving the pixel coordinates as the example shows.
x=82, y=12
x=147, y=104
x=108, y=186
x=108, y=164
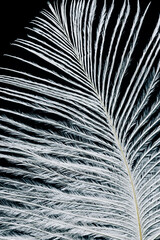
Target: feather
x=80, y=127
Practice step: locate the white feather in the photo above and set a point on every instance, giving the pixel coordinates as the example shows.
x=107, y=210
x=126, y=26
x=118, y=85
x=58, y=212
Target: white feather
x=81, y=160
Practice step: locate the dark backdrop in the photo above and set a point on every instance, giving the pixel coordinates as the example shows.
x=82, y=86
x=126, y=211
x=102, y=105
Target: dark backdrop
x=16, y=14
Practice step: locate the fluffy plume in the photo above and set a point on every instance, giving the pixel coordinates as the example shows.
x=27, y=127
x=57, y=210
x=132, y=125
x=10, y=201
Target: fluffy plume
x=79, y=127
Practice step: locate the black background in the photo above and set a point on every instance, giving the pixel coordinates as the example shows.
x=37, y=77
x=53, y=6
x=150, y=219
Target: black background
x=16, y=14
